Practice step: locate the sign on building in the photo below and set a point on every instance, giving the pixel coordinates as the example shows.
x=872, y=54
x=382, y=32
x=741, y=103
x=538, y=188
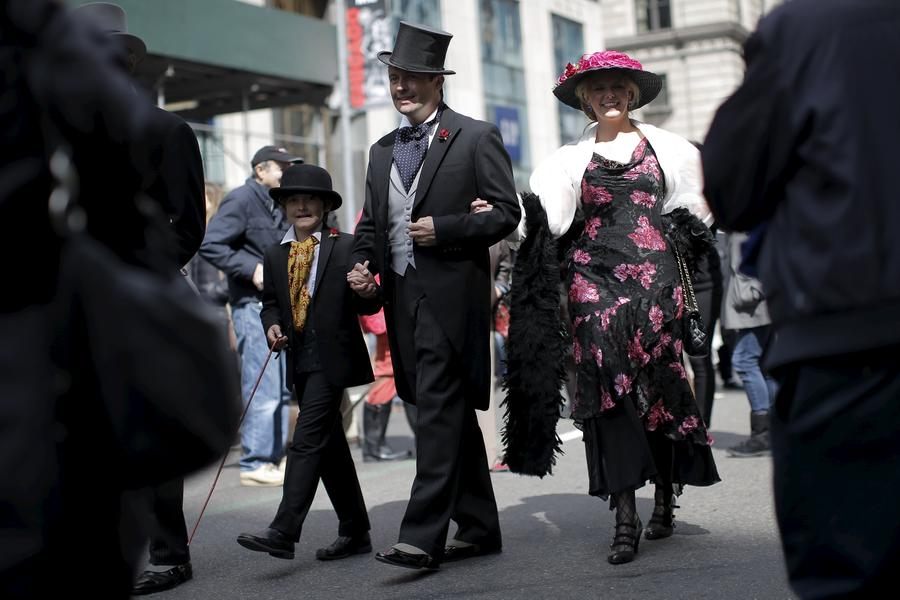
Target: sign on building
x=368, y=33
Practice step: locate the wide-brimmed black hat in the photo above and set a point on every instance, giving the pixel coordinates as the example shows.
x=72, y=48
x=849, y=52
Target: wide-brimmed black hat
x=110, y=19
x=419, y=49
x=306, y=179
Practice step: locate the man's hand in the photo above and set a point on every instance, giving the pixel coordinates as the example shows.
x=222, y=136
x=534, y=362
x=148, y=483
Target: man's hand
x=479, y=206
x=362, y=281
x=422, y=232
x=277, y=340
x=258, y=276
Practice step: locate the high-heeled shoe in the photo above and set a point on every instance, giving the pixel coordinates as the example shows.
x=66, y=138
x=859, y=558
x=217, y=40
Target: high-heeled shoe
x=625, y=543
x=662, y=521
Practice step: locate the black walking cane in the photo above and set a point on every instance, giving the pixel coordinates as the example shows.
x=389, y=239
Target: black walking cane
x=225, y=457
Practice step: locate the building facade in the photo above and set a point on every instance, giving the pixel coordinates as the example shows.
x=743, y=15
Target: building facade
x=251, y=72
x=695, y=45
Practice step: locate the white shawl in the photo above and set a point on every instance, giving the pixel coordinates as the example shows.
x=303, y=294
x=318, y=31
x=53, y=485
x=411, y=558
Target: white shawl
x=557, y=180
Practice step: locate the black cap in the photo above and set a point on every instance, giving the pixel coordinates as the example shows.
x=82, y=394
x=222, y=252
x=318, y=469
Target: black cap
x=273, y=153
x=306, y=179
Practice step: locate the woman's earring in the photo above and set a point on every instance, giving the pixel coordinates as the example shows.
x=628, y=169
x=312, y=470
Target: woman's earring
x=632, y=104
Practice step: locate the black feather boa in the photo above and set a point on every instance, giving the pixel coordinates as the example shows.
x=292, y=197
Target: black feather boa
x=688, y=235
x=535, y=351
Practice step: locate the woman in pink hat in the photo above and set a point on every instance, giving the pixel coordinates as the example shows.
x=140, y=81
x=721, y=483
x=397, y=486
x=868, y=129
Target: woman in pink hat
x=625, y=298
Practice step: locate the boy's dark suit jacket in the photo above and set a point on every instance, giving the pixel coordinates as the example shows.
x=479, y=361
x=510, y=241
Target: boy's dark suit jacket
x=334, y=309
x=466, y=160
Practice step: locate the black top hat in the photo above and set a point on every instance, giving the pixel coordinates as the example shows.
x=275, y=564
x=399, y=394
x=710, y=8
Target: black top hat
x=306, y=179
x=419, y=49
x=110, y=19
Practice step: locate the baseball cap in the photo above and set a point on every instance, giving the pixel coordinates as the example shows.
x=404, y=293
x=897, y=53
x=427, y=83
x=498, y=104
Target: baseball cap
x=273, y=153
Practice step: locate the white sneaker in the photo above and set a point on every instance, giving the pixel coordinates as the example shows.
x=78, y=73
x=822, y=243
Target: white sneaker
x=266, y=475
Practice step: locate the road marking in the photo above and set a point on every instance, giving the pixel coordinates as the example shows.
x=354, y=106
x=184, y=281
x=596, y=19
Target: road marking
x=571, y=435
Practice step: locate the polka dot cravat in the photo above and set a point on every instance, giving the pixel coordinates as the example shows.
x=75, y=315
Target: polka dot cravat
x=409, y=150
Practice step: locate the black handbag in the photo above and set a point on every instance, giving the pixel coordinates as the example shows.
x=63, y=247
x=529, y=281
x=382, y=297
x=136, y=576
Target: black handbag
x=693, y=331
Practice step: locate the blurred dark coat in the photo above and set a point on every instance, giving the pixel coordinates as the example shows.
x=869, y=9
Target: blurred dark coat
x=807, y=148
x=63, y=465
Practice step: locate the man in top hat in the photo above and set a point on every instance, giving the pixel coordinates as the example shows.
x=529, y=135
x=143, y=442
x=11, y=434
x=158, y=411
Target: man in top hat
x=168, y=159
x=309, y=309
x=432, y=254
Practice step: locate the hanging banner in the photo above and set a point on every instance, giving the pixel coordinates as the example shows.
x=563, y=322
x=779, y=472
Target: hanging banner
x=368, y=33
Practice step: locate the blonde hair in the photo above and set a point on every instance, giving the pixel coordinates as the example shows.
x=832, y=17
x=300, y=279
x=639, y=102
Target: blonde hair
x=585, y=82
x=214, y=194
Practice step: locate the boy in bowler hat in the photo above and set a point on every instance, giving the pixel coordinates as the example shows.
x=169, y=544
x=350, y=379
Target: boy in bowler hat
x=309, y=310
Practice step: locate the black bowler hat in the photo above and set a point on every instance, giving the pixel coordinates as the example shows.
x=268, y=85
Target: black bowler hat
x=419, y=49
x=306, y=179
x=110, y=19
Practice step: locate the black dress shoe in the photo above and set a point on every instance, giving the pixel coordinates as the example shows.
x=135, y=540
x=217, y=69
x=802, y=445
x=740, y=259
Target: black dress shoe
x=271, y=540
x=452, y=553
x=384, y=453
x=399, y=558
x=150, y=582
x=345, y=546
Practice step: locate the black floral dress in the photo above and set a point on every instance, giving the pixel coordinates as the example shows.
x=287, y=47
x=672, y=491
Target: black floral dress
x=625, y=300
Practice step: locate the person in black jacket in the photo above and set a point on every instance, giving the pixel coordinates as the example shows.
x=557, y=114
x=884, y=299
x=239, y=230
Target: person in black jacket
x=247, y=223
x=168, y=159
x=62, y=413
x=804, y=156
x=309, y=309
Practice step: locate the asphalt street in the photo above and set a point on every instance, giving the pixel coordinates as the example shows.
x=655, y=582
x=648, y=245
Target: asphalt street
x=555, y=536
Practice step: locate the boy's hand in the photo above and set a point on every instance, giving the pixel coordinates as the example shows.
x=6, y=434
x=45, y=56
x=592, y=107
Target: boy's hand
x=277, y=340
x=362, y=281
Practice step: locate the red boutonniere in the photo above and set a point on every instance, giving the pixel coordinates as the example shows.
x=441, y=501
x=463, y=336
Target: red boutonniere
x=443, y=134
x=333, y=232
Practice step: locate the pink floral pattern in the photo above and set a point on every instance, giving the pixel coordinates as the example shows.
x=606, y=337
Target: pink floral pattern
x=610, y=312
x=643, y=198
x=657, y=415
x=606, y=401
x=595, y=194
x=656, y=317
x=623, y=384
x=625, y=302
x=636, y=351
x=647, y=237
x=597, y=353
x=591, y=226
x=583, y=291
x=643, y=273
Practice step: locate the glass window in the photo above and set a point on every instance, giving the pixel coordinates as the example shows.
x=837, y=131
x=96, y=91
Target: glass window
x=568, y=46
x=423, y=12
x=653, y=15
x=504, y=79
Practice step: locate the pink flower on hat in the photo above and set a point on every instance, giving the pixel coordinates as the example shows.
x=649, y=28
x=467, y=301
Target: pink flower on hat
x=607, y=59
x=570, y=70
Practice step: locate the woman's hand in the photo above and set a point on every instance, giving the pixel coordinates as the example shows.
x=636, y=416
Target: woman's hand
x=480, y=206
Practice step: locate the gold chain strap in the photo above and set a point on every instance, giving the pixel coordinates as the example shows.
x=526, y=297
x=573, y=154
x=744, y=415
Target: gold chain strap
x=690, y=299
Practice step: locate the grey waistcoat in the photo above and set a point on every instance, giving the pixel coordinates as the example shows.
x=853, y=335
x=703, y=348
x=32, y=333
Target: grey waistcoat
x=400, y=203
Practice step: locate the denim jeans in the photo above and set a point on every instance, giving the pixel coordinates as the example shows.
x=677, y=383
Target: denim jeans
x=748, y=349
x=265, y=428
